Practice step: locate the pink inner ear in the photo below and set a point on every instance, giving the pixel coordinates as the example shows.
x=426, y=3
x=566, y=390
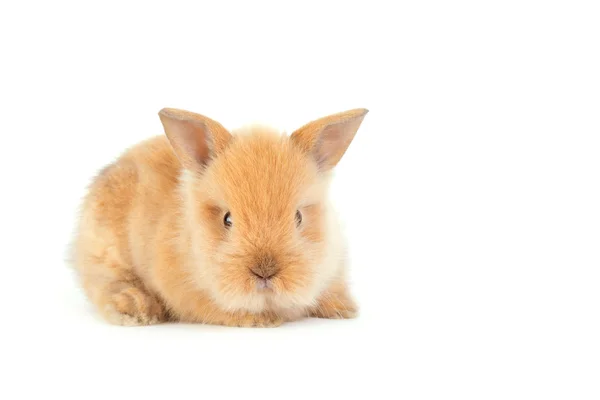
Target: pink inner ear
x=328, y=138
x=193, y=141
x=331, y=144
x=194, y=137
x=202, y=146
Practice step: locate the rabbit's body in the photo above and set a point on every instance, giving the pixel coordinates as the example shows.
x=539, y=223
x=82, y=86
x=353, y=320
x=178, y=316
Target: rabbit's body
x=156, y=241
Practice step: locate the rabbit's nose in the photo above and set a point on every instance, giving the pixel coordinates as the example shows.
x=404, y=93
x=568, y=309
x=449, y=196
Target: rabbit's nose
x=261, y=273
x=265, y=268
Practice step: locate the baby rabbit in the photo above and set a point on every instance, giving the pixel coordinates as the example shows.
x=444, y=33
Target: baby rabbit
x=203, y=225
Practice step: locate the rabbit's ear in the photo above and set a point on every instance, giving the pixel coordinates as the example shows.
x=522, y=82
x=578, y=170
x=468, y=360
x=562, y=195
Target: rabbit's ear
x=196, y=139
x=328, y=138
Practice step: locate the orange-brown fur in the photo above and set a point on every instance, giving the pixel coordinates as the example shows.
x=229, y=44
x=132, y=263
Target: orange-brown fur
x=151, y=245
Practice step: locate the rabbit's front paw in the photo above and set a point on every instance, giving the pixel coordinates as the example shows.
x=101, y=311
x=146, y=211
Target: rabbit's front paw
x=133, y=307
x=335, y=305
x=262, y=320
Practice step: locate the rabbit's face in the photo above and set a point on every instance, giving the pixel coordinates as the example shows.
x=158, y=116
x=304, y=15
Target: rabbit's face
x=259, y=225
x=256, y=210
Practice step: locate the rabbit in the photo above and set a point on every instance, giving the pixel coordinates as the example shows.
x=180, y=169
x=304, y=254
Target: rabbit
x=203, y=225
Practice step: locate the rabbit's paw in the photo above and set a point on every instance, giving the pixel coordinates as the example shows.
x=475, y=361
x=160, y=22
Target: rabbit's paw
x=262, y=320
x=133, y=307
x=335, y=305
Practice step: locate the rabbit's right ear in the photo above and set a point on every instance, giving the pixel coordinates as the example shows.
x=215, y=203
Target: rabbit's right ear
x=196, y=139
x=328, y=138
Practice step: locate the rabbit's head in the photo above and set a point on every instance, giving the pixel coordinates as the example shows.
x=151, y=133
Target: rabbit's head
x=261, y=234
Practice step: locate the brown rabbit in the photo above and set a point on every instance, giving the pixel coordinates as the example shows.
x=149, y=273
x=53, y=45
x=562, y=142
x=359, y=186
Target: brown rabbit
x=206, y=226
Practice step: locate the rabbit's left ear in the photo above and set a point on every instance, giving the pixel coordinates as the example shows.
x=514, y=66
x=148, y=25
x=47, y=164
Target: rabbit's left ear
x=195, y=138
x=328, y=138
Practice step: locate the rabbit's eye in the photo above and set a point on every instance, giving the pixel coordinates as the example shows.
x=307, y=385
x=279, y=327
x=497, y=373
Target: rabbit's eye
x=298, y=218
x=227, y=219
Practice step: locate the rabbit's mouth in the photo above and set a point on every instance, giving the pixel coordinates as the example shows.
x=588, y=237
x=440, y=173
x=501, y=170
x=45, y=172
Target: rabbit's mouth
x=264, y=283
x=264, y=274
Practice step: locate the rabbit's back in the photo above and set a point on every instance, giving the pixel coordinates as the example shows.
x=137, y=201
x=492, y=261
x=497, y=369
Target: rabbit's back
x=124, y=206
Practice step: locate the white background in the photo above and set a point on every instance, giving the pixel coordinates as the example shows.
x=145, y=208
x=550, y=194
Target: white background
x=471, y=195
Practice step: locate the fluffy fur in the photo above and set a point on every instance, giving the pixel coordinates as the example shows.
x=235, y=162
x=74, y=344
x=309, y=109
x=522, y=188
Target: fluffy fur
x=152, y=246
